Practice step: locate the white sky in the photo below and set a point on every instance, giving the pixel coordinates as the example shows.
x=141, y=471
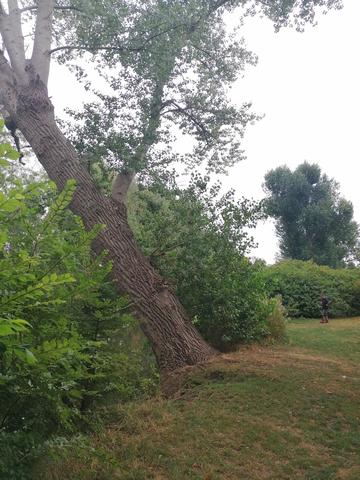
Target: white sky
x=307, y=84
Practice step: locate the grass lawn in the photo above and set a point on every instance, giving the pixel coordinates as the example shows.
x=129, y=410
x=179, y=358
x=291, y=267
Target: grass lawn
x=339, y=338
x=290, y=412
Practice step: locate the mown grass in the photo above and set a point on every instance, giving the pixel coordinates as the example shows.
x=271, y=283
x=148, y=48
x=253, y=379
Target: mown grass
x=339, y=338
x=276, y=413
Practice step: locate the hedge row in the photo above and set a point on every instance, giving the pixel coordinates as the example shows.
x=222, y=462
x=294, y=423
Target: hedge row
x=301, y=283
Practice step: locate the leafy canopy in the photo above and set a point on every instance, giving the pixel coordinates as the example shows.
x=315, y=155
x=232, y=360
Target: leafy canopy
x=168, y=67
x=312, y=220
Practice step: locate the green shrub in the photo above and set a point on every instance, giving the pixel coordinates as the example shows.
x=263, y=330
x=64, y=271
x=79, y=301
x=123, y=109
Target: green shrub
x=227, y=300
x=301, y=283
x=276, y=319
x=198, y=241
x=65, y=336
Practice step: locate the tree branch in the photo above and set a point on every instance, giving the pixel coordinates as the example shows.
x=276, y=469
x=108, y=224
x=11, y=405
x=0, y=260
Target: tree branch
x=123, y=180
x=121, y=185
x=92, y=50
x=198, y=125
x=42, y=41
x=56, y=7
x=11, y=32
x=162, y=250
x=120, y=48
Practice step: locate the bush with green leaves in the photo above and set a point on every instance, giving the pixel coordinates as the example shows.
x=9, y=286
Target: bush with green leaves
x=301, y=283
x=276, y=320
x=198, y=239
x=65, y=334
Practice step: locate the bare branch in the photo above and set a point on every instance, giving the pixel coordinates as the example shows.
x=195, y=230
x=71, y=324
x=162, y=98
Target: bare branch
x=198, y=125
x=56, y=7
x=68, y=7
x=11, y=32
x=92, y=50
x=43, y=36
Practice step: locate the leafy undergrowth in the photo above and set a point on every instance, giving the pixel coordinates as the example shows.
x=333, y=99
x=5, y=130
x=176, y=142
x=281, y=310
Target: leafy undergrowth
x=262, y=413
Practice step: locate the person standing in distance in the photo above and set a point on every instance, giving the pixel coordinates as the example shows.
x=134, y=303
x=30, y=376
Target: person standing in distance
x=324, y=308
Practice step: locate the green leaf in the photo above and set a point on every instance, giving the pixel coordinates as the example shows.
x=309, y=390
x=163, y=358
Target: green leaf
x=21, y=323
x=10, y=205
x=30, y=357
x=6, y=150
x=13, y=155
x=77, y=394
x=12, y=326
x=3, y=238
x=19, y=196
x=5, y=330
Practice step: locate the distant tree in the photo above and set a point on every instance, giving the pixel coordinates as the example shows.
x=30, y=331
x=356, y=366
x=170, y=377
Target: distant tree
x=312, y=220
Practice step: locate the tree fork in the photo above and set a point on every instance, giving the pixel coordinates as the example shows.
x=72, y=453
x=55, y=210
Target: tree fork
x=175, y=341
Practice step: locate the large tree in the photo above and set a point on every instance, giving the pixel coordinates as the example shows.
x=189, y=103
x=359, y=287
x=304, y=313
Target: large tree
x=312, y=220
x=168, y=62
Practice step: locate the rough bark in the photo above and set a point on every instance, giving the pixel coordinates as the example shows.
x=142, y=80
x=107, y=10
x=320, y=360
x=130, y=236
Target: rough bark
x=175, y=341
x=121, y=186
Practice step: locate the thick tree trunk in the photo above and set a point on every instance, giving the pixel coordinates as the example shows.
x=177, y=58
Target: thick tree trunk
x=175, y=341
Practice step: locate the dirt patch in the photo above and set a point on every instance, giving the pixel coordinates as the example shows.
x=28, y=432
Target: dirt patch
x=348, y=473
x=271, y=363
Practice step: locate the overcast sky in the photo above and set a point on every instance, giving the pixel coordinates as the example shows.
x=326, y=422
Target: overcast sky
x=307, y=85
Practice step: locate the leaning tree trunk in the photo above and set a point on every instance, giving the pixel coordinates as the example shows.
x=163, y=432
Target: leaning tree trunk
x=175, y=341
